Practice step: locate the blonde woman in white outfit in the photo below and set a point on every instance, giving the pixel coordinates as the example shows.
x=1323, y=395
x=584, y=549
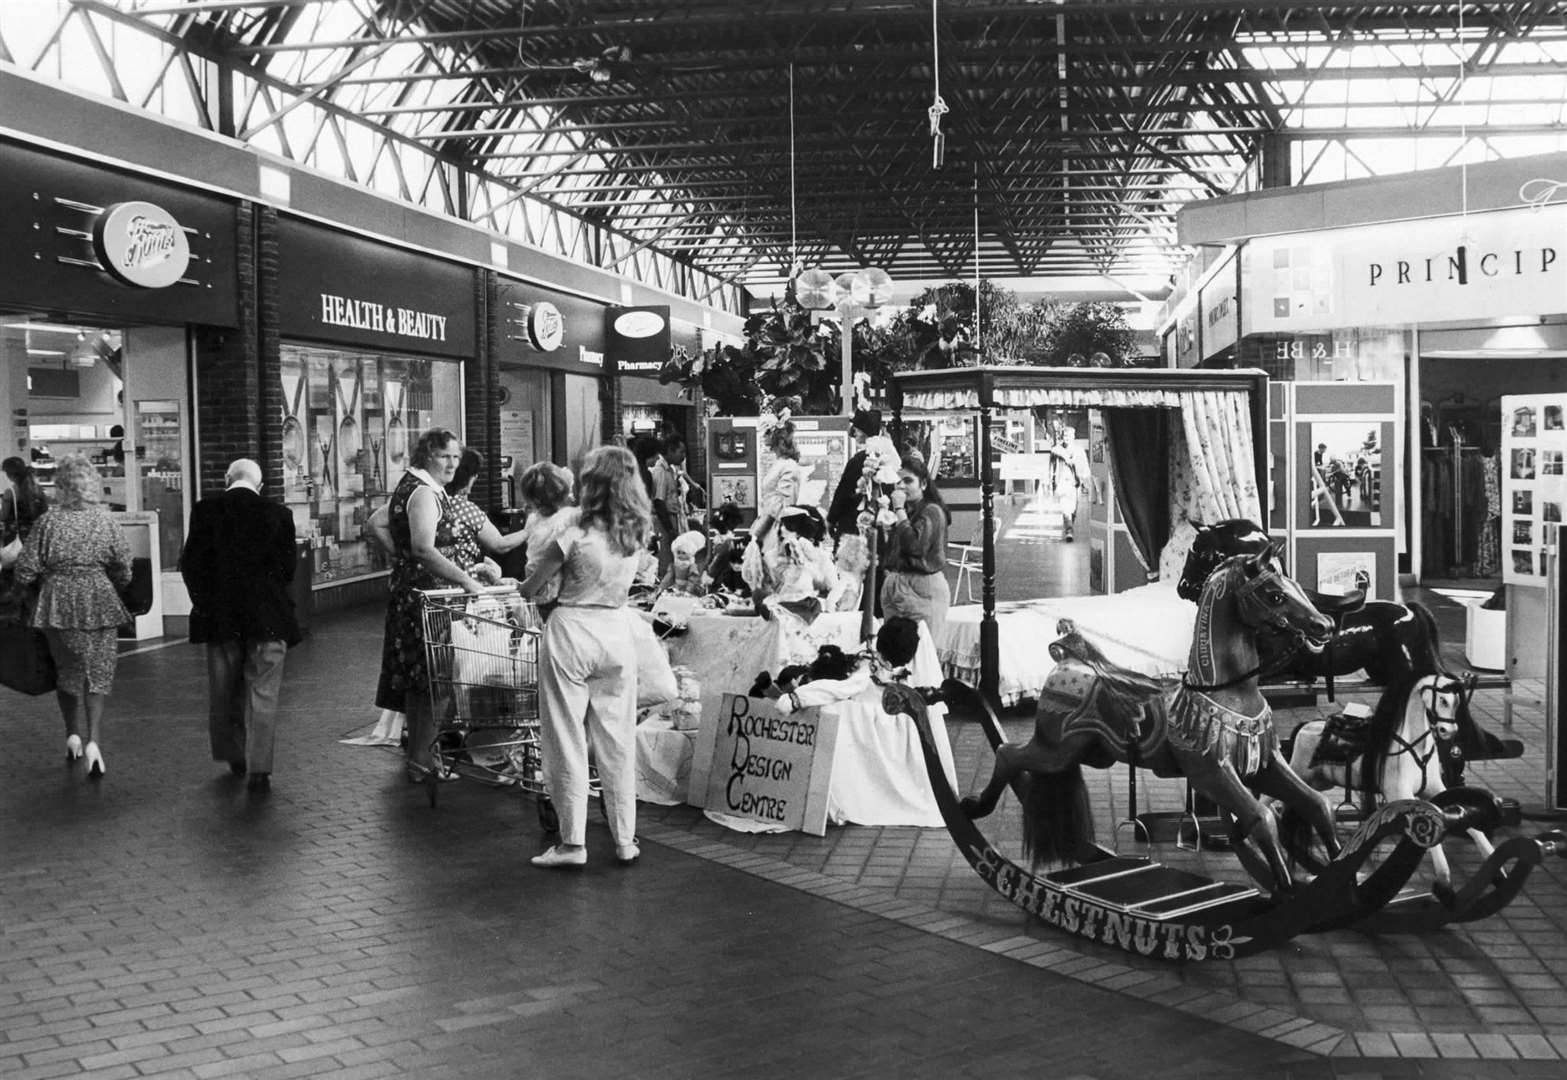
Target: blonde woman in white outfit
x=588, y=673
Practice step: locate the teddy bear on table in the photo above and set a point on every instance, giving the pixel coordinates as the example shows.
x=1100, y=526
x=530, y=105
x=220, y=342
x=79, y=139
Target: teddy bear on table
x=838, y=676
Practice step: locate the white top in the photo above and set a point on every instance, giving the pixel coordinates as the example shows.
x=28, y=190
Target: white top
x=594, y=575
x=541, y=532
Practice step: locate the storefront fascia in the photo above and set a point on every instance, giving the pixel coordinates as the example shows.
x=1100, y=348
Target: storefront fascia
x=373, y=343
x=553, y=377
x=142, y=262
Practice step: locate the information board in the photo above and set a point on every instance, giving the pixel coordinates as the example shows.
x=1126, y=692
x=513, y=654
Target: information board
x=754, y=762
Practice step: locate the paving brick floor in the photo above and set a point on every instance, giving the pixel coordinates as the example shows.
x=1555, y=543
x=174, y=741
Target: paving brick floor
x=163, y=922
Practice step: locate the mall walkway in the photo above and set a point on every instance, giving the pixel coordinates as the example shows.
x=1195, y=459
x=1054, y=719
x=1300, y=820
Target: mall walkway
x=164, y=922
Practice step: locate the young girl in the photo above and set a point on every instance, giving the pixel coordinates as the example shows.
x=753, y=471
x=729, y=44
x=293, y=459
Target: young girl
x=545, y=489
x=588, y=673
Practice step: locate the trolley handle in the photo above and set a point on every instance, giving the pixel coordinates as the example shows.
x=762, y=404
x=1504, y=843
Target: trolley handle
x=487, y=590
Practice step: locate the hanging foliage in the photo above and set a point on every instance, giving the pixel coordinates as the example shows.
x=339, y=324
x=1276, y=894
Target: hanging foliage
x=787, y=361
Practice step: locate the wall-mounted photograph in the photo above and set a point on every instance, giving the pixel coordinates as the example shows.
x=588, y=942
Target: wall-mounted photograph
x=1523, y=532
x=1522, y=465
x=1553, y=418
x=1523, y=423
x=1550, y=511
x=1523, y=502
x=1523, y=561
x=1550, y=463
x=1344, y=483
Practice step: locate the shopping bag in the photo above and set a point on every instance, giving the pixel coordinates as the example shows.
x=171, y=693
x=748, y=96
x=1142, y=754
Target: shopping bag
x=137, y=595
x=656, y=682
x=25, y=663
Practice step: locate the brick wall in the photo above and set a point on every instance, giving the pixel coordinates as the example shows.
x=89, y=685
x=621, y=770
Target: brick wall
x=228, y=372
x=481, y=392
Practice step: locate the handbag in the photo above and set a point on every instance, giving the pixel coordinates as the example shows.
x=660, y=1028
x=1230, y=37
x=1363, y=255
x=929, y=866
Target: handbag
x=137, y=594
x=25, y=662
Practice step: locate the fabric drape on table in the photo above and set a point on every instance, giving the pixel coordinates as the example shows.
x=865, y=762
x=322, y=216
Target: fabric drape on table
x=1215, y=477
x=1139, y=444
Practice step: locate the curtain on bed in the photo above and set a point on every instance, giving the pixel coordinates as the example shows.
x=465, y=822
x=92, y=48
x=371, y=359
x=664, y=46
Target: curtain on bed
x=1139, y=446
x=1214, y=476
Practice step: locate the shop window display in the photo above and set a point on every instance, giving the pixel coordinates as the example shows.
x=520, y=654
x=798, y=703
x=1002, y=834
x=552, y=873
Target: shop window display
x=349, y=419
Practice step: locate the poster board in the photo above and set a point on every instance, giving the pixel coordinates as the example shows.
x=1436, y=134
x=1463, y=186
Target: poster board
x=752, y=761
x=1534, y=487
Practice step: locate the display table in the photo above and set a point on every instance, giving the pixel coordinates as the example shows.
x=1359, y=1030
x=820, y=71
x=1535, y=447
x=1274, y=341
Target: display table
x=878, y=771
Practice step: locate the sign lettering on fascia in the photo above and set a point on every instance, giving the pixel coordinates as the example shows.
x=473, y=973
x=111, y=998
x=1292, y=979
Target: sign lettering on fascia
x=382, y=318
x=1459, y=265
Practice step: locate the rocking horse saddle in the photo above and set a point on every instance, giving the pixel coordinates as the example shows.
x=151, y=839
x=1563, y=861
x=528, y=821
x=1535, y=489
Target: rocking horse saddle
x=1345, y=737
x=1335, y=605
x=1131, y=688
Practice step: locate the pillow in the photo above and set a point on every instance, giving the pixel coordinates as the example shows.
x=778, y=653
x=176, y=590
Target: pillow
x=1172, y=559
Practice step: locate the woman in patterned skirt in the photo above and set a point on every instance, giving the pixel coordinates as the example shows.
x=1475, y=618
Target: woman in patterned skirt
x=80, y=559
x=420, y=527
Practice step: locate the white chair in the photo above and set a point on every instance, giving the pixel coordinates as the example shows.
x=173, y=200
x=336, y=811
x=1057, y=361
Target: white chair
x=966, y=559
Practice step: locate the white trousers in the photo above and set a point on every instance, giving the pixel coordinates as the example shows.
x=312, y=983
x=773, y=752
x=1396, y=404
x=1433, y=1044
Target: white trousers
x=588, y=687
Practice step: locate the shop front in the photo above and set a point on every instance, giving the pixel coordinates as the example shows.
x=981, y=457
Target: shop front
x=109, y=282
x=639, y=341
x=373, y=340
x=553, y=378
x=1400, y=344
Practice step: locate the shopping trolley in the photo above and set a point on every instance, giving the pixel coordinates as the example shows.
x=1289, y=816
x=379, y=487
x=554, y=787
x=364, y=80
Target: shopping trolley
x=482, y=650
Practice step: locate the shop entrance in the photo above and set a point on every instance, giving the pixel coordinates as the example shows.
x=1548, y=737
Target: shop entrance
x=1459, y=433
x=117, y=395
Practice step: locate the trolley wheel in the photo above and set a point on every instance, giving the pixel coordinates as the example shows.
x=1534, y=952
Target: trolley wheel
x=549, y=820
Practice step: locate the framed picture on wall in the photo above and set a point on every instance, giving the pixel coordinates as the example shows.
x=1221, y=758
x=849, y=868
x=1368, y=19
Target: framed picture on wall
x=1343, y=482
x=1339, y=572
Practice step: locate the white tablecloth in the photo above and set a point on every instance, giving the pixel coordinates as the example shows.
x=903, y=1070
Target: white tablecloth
x=878, y=771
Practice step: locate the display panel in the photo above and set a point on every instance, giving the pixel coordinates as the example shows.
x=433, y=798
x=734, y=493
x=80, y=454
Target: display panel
x=349, y=421
x=1343, y=487
x=1534, y=487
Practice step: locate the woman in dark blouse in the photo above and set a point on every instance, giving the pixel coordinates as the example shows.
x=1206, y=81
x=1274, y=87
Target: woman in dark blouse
x=916, y=583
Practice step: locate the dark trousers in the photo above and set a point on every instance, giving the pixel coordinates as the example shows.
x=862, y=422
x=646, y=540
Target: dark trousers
x=243, y=681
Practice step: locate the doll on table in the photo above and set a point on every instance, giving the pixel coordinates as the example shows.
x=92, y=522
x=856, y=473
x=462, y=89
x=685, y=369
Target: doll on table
x=684, y=576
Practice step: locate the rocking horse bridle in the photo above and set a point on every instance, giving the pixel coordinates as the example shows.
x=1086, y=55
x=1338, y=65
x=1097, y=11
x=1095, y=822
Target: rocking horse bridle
x=1399, y=745
x=1262, y=670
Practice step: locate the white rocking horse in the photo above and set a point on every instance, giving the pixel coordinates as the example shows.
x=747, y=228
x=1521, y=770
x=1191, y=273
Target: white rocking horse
x=1401, y=758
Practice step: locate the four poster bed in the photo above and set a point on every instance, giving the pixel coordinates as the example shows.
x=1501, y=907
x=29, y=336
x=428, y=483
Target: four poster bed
x=1181, y=449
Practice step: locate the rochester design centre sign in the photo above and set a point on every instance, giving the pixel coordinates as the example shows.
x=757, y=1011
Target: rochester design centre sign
x=382, y=318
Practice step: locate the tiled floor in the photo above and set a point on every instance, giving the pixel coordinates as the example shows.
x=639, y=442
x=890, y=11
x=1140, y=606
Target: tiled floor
x=162, y=922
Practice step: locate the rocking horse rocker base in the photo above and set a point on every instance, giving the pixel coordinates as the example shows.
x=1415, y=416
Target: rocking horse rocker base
x=1150, y=909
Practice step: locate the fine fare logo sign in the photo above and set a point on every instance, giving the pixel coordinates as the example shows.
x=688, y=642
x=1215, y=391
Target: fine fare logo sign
x=1079, y=915
x=382, y=318
x=141, y=244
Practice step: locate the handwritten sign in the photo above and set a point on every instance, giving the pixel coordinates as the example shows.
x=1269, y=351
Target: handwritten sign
x=754, y=762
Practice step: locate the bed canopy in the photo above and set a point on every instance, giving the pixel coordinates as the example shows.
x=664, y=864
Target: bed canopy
x=1148, y=411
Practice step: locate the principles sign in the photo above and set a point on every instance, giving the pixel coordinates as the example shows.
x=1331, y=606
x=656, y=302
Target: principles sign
x=766, y=766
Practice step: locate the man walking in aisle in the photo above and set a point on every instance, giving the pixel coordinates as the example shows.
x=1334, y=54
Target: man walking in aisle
x=238, y=564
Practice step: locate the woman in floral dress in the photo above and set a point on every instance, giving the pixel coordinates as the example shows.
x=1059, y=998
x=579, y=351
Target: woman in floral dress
x=80, y=558
x=421, y=530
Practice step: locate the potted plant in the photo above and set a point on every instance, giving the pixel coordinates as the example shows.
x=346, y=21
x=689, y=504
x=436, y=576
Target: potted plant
x=787, y=361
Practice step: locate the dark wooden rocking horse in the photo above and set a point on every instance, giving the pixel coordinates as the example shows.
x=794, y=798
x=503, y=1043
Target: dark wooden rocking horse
x=1213, y=727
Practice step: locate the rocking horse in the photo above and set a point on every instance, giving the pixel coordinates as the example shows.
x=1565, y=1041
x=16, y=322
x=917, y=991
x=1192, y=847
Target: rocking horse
x=1389, y=641
x=1398, y=756
x=1213, y=727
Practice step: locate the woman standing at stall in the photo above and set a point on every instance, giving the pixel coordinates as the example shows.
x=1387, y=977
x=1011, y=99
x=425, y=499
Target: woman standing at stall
x=916, y=583
x=420, y=532
x=80, y=559
x=587, y=670
x=475, y=534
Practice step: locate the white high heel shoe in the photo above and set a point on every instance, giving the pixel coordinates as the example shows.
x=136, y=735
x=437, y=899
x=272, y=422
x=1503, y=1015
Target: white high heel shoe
x=95, y=766
x=73, y=748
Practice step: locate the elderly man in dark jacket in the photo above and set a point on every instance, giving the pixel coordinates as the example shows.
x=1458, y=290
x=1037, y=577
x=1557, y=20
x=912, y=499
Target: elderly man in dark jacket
x=238, y=564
